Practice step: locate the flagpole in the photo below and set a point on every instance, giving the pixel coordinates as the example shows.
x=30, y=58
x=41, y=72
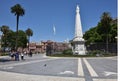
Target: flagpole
x=54, y=32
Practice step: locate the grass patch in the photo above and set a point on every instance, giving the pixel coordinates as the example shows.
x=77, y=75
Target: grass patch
x=67, y=55
x=88, y=55
x=95, y=53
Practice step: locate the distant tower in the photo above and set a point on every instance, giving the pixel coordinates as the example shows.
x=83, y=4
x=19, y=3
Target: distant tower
x=78, y=46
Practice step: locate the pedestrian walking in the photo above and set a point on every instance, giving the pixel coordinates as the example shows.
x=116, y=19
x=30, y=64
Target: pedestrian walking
x=22, y=56
x=12, y=54
x=16, y=56
x=30, y=53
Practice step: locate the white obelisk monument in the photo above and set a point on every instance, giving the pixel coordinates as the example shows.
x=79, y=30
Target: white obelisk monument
x=78, y=46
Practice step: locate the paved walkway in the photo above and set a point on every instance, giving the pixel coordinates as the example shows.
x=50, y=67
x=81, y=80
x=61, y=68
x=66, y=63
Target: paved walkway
x=84, y=64
x=8, y=76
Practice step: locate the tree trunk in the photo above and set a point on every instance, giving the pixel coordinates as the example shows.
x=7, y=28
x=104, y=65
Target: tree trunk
x=28, y=42
x=16, y=46
x=107, y=49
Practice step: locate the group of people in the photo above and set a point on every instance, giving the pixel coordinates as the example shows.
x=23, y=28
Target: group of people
x=15, y=55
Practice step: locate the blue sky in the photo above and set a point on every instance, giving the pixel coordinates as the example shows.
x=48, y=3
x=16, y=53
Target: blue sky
x=41, y=15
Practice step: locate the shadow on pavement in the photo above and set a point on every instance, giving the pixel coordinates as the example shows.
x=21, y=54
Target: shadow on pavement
x=4, y=60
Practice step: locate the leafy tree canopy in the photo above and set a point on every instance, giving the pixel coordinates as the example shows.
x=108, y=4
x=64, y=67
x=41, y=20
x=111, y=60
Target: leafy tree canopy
x=107, y=26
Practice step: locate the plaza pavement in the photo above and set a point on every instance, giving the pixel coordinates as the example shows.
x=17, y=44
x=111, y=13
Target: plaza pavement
x=59, y=69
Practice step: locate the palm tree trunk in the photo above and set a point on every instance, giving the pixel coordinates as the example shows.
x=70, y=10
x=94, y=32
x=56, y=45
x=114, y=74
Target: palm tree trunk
x=16, y=46
x=4, y=43
x=107, y=49
x=28, y=42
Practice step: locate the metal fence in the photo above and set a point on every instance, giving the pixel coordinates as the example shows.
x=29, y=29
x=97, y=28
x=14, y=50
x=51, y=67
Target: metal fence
x=112, y=47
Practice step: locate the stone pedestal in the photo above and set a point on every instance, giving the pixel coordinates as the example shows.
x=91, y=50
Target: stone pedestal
x=78, y=46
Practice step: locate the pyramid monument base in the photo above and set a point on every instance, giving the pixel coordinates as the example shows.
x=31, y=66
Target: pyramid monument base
x=78, y=47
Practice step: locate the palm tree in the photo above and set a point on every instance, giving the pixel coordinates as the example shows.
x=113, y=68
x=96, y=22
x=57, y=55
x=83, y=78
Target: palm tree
x=29, y=33
x=18, y=11
x=4, y=29
x=106, y=23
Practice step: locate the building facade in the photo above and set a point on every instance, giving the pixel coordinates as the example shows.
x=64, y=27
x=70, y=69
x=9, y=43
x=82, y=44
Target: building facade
x=42, y=46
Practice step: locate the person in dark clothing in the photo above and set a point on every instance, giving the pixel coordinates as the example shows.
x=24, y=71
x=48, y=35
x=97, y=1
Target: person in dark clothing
x=16, y=56
x=12, y=54
x=30, y=54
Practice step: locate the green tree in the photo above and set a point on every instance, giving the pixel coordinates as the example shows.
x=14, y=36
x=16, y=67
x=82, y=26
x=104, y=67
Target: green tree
x=29, y=33
x=5, y=30
x=18, y=11
x=113, y=31
x=105, y=26
x=22, y=39
x=104, y=32
x=91, y=36
x=11, y=39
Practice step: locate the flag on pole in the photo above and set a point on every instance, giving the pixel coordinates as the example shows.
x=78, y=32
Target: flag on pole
x=54, y=30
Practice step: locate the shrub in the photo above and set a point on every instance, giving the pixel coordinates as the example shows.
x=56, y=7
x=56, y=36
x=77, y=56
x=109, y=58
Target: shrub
x=4, y=54
x=96, y=53
x=68, y=52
